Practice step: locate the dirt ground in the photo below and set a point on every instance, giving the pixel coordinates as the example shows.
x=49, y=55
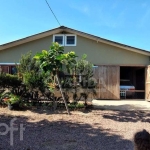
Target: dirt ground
x=82, y=130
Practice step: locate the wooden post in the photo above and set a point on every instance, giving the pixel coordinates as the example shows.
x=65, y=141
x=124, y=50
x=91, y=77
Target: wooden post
x=60, y=88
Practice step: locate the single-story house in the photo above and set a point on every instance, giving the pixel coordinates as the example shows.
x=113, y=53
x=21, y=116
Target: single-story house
x=114, y=62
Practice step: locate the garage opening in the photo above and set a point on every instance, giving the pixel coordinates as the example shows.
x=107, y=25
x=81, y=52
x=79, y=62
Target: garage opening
x=132, y=82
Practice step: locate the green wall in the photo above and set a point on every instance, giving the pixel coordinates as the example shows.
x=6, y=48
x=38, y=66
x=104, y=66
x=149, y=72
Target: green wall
x=103, y=54
x=13, y=54
x=98, y=53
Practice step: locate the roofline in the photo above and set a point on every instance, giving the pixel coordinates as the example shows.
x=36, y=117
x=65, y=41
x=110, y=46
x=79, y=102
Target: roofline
x=66, y=29
x=30, y=38
x=109, y=42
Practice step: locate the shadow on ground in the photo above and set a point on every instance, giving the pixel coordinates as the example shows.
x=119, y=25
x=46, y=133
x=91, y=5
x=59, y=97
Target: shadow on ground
x=49, y=110
x=129, y=116
x=60, y=135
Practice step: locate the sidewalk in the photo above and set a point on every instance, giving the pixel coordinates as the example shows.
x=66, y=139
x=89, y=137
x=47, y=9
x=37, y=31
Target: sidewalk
x=121, y=104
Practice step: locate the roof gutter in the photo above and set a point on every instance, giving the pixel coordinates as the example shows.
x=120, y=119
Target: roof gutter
x=9, y=63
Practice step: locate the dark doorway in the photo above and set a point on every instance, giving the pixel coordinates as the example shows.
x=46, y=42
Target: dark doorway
x=132, y=82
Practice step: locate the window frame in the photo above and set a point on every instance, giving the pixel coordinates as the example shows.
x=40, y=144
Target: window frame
x=64, y=36
x=55, y=35
x=75, y=42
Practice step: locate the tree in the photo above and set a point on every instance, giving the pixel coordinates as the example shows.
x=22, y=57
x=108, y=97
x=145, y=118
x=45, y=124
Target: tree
x=53, y=61
x=84, y=69
x=30, y=74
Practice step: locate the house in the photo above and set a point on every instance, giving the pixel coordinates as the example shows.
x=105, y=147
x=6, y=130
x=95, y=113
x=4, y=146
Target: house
x=113, y=61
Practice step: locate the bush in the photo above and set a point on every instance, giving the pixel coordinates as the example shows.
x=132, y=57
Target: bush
x=76, y=105
x=33, y=80
x=9, y=81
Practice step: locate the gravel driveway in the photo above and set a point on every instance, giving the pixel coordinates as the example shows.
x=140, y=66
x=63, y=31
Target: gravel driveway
x=87, y=130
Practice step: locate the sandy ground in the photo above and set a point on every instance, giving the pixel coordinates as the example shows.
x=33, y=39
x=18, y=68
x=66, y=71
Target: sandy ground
x=82, y=130
x=126, y=104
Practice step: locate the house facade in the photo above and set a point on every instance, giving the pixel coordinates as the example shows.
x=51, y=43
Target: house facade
x=114, y=61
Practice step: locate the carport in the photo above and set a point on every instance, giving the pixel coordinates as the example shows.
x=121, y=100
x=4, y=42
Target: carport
x=109, y=82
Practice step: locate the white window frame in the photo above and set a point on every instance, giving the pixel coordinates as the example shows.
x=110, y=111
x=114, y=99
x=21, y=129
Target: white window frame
x=65, y=39
x=59, y=35
x=75, y=42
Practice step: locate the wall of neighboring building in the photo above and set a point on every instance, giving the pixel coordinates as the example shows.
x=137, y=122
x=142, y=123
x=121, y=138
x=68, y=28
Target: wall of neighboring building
x=98, y=53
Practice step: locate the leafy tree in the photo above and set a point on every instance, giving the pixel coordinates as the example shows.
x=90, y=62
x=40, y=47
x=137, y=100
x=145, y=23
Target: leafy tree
x=84, y=69
x=30, y=73
x=52, y=61
x=27, y=64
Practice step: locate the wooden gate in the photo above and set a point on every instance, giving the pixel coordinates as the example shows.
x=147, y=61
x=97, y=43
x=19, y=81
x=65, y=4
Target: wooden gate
x=108, y=78
x=147, y=91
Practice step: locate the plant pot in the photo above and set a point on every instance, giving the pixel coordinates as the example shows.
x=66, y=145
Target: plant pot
x=10, y=107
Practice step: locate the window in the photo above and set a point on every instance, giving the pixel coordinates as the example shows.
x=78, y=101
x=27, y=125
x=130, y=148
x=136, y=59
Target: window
x=59, y=38
x=70, y=40
x=65, y=39
x=13, y=70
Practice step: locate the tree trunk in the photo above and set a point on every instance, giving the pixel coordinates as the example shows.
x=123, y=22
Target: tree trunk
x=60, y=88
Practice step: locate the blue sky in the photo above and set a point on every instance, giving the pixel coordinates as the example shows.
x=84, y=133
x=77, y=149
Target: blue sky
x=123, y=21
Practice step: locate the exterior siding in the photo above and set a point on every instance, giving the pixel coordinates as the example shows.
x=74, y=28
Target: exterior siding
x=12, y=55
x=102, y=54
x=98, y=53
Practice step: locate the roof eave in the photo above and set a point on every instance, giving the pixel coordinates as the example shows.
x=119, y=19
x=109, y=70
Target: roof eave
x=119, y=45
x=30, y=38
x=79, y=33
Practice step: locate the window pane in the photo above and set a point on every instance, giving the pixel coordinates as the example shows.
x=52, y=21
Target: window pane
x=70, y=39
x=13, y=70
x=59, y=39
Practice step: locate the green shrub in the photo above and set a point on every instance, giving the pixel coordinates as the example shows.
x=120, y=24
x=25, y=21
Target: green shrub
x=10, y=98
x=33, y=80
x=80, y=105
x=76, y=105
x=8, y=80
x=71, y=105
